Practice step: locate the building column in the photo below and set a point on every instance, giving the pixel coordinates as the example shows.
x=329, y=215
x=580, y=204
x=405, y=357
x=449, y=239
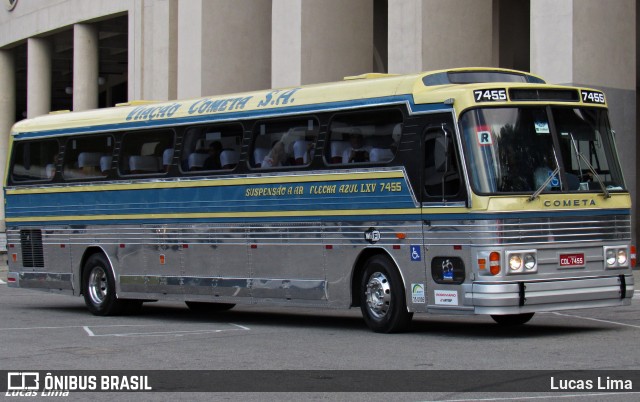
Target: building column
x=591, y=43
x=320, y=41
x=38, y=77
x=7, y=113
x=85, y=67
x=223, y=46
x=423, y=37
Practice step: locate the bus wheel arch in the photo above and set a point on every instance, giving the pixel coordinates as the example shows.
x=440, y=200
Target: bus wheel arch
x=379, y=290
x=98, y=285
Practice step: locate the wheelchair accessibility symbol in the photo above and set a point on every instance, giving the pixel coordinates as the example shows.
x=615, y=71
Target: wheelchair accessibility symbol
x=415, y=253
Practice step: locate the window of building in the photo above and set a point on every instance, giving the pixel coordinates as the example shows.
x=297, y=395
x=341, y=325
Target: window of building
x=364, y=137
x=211, y=148
x=281, y=143
x=88, y=157
x=35, y=160
x=146, y=152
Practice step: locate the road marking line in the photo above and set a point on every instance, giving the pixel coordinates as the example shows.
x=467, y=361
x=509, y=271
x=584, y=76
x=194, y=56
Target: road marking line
x=2, y=282
x=599, y=320
x=554, y=396
x=90, y=332
x=173, y=333
x=240, y=326
x=77, y=326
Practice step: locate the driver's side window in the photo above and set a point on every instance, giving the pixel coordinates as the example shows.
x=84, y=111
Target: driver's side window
x=442, y=178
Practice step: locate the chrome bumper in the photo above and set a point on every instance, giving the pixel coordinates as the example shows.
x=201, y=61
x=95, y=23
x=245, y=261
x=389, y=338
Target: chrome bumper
x=565, y=294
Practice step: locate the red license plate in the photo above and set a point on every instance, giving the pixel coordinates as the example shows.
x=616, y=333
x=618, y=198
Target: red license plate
x=572, y=260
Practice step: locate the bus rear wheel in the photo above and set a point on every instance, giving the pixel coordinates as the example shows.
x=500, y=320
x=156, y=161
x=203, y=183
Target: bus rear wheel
x=382, y=297
x=99, y=287
x=512, y=320
x=206, y=307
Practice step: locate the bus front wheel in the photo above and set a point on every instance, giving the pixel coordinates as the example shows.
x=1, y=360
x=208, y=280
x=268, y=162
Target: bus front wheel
x=512, y=320
x=99, y=288
x=382, y=297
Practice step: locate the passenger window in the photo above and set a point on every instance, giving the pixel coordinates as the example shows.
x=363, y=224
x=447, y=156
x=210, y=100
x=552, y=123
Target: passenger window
x=364, y=137
x=210, y=148
x=146, y=152
x=35, y=161
x=284, y=143
x=88, y=157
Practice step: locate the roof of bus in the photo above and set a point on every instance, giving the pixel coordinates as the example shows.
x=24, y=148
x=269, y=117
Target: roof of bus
x=359, y=91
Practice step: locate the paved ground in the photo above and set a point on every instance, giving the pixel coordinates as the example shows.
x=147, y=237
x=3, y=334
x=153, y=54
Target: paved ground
x=42, y=331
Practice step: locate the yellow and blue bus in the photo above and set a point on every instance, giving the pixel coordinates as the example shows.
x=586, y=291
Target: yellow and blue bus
x=466, y=191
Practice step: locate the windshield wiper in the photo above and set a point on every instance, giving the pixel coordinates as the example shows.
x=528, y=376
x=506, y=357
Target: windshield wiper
x=591, y=168
x=544, y=185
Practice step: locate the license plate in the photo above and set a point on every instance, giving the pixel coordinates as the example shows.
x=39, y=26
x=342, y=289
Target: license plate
x=572, y=260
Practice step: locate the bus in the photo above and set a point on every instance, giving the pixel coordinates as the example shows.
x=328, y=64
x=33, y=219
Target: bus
x=460, y=191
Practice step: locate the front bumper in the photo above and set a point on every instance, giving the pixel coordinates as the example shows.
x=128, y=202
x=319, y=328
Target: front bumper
x=534, y=296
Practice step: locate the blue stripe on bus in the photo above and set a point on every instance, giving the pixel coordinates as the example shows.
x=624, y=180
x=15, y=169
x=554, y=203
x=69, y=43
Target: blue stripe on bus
x=243, y=115
x=229, y=199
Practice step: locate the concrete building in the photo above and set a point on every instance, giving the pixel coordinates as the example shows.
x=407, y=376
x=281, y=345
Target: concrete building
x=78, y=54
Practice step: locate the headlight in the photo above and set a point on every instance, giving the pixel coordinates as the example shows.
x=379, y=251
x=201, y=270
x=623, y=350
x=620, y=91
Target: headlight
x=522, y=262
x=529, y=262
x=622, y=257
x=515, y=262
x=611, y=257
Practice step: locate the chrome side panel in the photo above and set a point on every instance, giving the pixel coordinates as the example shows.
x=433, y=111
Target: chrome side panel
x=298, y=263
x=313, y=263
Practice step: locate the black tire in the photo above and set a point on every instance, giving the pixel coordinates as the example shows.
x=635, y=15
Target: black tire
x=99, y=288
x=206, y=307
x=512, y=320
x=382, y=297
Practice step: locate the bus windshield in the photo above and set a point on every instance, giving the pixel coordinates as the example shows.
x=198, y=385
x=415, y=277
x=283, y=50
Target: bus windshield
x=540, y=149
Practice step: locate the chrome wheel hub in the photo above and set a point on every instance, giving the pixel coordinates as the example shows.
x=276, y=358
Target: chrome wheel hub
x=97, y=285
x=378, y=295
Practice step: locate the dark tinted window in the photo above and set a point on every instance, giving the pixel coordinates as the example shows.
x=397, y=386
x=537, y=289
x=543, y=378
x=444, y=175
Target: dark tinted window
x=364, y=137
x=88, y=157
x=289, y=142
x=146, y=152
x=34, y=160
x=210, y=148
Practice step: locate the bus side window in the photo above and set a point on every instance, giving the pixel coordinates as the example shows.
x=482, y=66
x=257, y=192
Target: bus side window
x=441, y=175
x=210, y=148
x=282, y=143
x=145, y=152
x=372, y=136
x=34, y=161
x=86, y=157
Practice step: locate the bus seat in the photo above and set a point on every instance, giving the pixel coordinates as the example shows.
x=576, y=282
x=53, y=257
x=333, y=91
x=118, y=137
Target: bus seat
x=396, y=133
x=105, y=163
x=259, y=155
x=229, y=158
x=50, y=170
x=144, y=164
x=300, y=152
x=89, y=159
x=380, y=155
x=167, y=157
x=196, y=160
x=337, y=149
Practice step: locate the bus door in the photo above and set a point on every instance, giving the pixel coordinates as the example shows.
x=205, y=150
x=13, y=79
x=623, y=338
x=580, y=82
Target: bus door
x=443, y=201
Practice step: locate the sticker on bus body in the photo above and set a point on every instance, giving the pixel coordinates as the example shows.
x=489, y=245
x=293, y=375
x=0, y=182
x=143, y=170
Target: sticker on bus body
x=484, y=135
x=446, y=297
x=417, y=293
